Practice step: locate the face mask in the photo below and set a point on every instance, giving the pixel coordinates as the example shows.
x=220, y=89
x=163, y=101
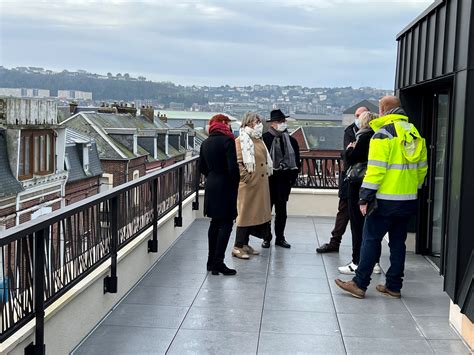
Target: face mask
x=281, y=127
x=357, y=122
x=258, y=129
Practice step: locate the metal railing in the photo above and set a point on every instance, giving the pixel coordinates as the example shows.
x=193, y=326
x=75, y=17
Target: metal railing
x=43, y=259
x=320, y=172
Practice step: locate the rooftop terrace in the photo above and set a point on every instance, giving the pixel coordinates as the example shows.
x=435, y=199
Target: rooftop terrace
x=283, y=301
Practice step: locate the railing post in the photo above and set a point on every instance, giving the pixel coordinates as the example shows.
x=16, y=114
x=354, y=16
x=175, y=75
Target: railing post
x=178, y=220
x=39, y=348
x=196, y=188
x=110, y=282
x=153, y=243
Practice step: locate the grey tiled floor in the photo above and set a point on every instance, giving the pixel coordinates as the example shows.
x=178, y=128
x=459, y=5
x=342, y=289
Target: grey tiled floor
x=280, y=302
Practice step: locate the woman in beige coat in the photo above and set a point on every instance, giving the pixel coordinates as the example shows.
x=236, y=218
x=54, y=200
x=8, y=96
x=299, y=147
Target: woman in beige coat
x=253, y=203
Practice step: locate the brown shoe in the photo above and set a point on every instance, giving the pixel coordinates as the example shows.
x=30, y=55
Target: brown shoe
x=249, y=250
x=385, y=291
x=240, y=253
x=351, y=287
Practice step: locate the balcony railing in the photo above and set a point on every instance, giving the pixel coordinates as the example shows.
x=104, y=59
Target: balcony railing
x=43, y=259
x=320, y=173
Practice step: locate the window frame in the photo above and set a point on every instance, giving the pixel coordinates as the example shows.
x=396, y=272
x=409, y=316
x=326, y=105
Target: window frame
x=30, y=135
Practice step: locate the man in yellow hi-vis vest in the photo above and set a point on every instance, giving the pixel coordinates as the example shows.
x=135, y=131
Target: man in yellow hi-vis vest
x=396, y=169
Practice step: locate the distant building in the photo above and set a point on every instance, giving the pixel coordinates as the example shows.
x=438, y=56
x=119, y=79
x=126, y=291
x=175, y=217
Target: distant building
x=335, y=120
x=23, y=92
x=32, y=147
x=199, y=119
x=348, y=114
x=129, y=145
x=83, y=166
x=320, y=141
x=74, y=95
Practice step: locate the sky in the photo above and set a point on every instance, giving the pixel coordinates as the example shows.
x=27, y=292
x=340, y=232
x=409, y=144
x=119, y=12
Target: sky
x=314, y=43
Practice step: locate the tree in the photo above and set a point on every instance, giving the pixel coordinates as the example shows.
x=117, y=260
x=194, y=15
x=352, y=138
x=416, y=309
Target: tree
x=126, y=76
x=109, y=75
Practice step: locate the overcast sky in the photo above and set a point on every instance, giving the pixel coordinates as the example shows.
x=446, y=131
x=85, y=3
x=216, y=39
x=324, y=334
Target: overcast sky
x=206, y=42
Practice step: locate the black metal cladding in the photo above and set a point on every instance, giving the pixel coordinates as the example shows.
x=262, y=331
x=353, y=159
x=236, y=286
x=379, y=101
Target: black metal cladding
x=435, y=44
x=436, y=52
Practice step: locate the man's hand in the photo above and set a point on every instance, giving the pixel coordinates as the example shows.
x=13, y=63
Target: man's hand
x=363, y=209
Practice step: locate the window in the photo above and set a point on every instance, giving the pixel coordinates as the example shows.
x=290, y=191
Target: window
x=36, y=153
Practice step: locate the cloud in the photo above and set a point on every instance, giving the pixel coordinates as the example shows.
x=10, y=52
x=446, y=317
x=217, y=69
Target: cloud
x=304, y=42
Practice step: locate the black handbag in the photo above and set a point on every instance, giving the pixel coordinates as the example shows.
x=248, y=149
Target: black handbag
x=356, y=172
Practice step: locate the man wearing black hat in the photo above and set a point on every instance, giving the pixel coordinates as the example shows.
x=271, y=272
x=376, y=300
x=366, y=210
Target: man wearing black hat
x=285, y=153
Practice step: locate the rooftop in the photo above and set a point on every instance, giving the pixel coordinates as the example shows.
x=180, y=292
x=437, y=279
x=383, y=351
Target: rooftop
x=282, y=301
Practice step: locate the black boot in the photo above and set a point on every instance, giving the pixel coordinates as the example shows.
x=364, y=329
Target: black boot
x=328, y=248
x=223, y=269
x=209, y=264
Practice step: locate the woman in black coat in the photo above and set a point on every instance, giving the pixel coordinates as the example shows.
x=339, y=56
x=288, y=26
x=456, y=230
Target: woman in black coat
x=218, y=163
x=357, y=152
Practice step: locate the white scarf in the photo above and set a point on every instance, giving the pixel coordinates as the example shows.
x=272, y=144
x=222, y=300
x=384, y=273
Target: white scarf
x=248, y=150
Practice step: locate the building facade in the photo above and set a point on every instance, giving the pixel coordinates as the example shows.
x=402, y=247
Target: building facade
x=435, y=81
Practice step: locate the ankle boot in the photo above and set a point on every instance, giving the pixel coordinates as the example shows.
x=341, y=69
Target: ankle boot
x=223, y=269
x=209, y=265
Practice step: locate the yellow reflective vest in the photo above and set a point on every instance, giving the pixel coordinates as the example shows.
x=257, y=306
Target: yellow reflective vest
x=397, y=163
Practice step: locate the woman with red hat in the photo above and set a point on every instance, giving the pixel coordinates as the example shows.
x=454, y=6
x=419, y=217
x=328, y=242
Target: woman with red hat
x=218, y=163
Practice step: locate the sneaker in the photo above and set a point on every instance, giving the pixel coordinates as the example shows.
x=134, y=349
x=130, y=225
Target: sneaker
x=385, y=291
x=377, y=269
x=348, y=269
x=240, y=253
x=327, y=248
x=249, y=250
x=351, y=287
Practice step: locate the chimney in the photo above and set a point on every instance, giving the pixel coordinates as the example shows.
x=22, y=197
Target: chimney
x=148, y=112
x=72, y=107
x=190, y=124
x=164, y=118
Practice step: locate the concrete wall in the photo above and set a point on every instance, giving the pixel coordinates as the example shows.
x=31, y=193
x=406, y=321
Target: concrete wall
x=75, y=314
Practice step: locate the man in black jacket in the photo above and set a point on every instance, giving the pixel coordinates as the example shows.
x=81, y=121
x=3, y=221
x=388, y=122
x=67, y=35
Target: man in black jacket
x=342, y=217
x=285, y=154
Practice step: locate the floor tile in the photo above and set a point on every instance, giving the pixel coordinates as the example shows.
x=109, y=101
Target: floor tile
x=126, y=340
x=293, y=322
x=378, y=325
x=384, y=305
x=293, y=301
x=449, y=347
x=272, y=343
x=161, y=296
x=213, y=342
x=249, y=299
x=225, y=319
x=146, y=316
x=365, y=346
x=436, y=328
x=297, y=284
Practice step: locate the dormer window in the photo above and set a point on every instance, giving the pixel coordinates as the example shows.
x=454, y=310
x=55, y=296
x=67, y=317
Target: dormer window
x=36, y=154
x=85, y=157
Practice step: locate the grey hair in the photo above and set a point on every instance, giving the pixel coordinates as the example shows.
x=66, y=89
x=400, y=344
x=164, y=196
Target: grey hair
x=248, y=118
x=365, y=117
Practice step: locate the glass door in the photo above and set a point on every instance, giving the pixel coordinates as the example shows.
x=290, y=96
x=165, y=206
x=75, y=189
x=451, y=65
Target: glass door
x=438, y=158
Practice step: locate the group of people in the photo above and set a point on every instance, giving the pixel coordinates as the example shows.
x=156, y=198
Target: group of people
x=245, y=178
x=385, y=162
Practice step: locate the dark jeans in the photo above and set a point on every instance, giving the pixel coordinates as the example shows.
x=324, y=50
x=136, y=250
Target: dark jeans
x=357, y=221
x=218, y=237
x=280, y=220
x=342, y=218
x=262, y=231
x=376, y=226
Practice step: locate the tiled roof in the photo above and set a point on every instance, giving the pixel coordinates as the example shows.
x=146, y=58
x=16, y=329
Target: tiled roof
x=75, y=159
x=8, y=184
x=372, y=105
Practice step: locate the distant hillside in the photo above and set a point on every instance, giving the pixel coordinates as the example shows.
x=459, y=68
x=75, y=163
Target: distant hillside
x=102, y=88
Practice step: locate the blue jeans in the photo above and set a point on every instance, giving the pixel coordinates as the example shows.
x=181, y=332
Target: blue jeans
x=375, y=228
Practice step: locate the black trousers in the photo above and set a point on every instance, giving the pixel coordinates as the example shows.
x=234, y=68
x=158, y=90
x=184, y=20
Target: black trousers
x=280, y=219
x=262, y=231
x=218, y=237
x=357, y=221
x=342, y=219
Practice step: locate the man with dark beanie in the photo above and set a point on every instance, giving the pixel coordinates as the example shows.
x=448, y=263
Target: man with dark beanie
x=285, y=153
